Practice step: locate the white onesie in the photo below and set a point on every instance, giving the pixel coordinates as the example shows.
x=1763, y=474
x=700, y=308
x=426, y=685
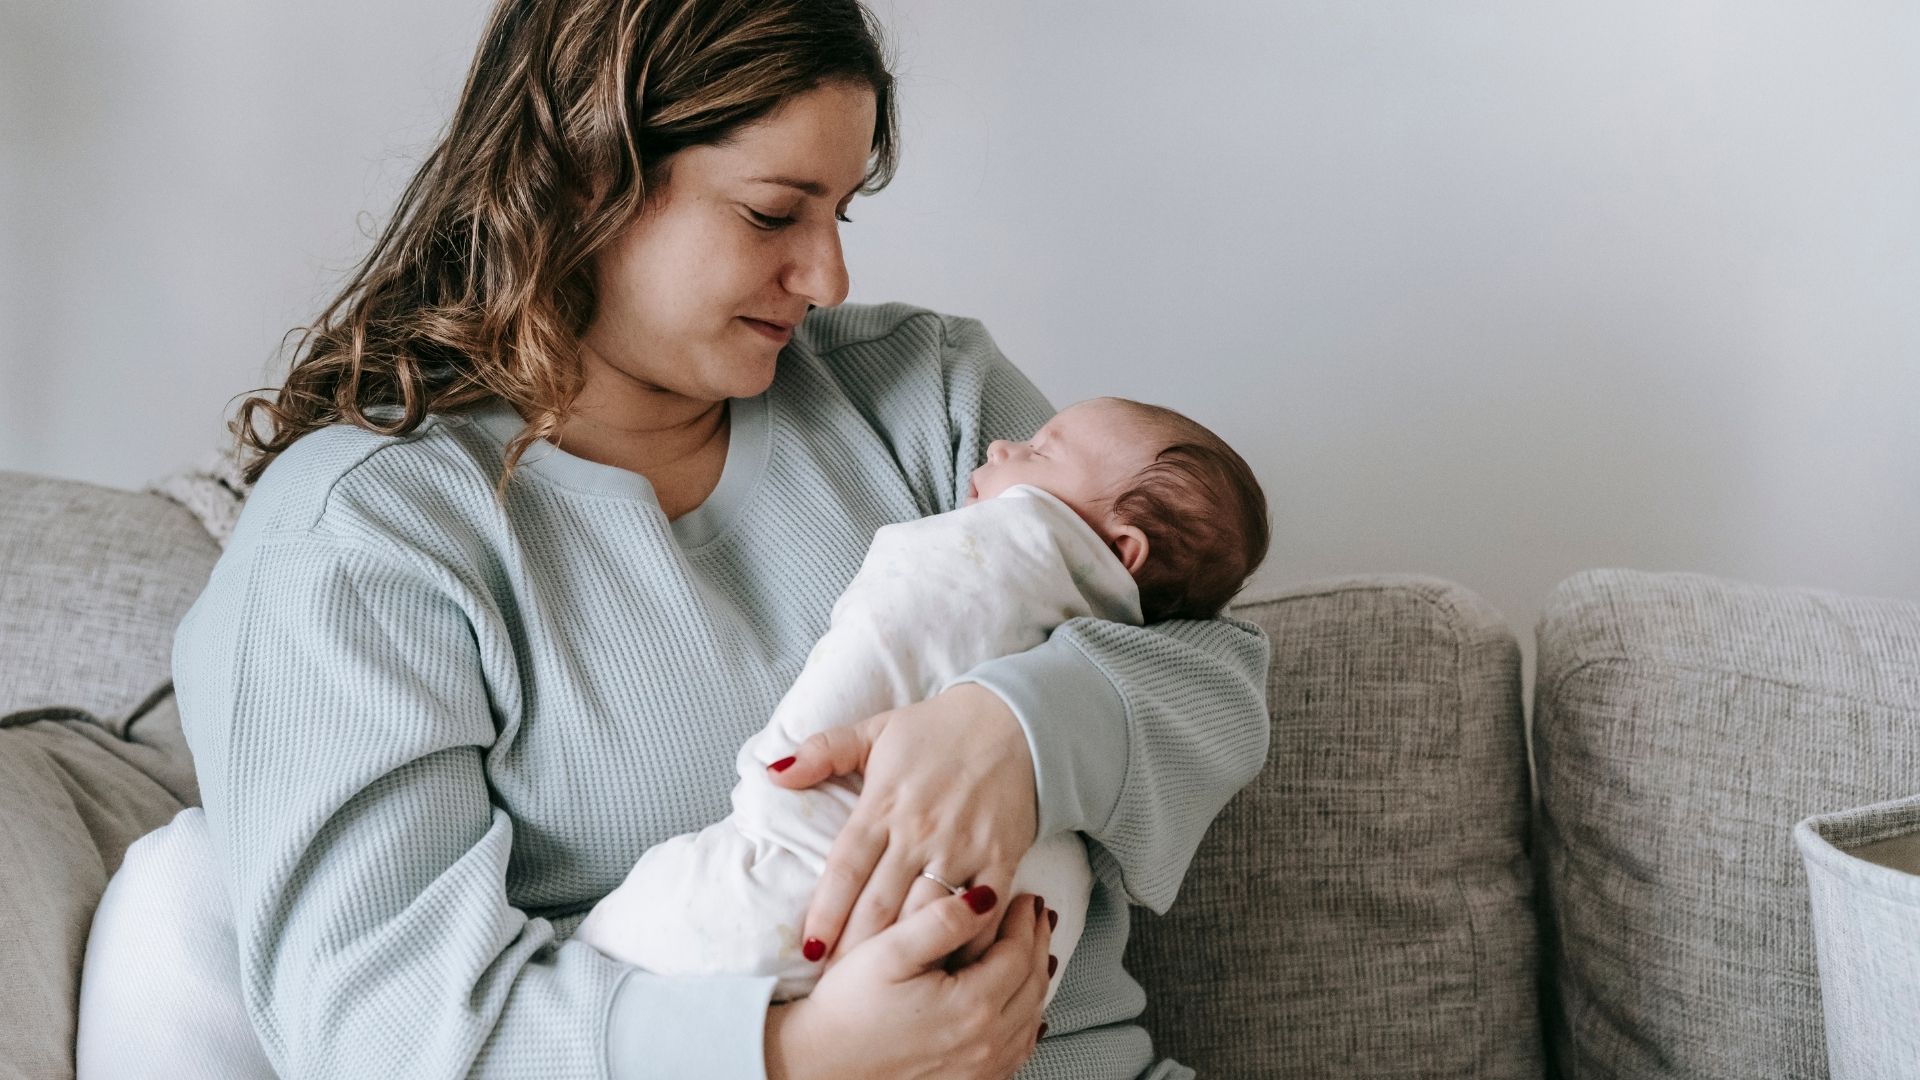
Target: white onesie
x=934, y=599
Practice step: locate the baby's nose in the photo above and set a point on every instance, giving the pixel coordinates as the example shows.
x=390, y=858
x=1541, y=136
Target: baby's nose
x=997, y=450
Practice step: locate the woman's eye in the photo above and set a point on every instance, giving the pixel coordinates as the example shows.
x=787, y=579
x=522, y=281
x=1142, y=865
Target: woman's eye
x=770, y=223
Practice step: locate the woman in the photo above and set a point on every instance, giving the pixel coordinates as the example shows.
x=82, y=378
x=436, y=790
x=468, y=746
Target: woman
x=554, y=501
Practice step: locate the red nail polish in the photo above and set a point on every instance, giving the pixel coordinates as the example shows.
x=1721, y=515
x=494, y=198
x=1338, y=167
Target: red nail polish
x=1043, y=1033
x=1053, y=964
x=1053, y=919
x=814, y=949
x=1039, y=906
x=980, y=898
x=781, y=765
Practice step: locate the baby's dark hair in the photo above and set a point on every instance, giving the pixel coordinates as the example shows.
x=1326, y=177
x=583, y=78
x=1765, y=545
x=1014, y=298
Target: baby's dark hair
x=1203, y=513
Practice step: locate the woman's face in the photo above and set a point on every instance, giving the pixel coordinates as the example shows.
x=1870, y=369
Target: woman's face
x=700, y=293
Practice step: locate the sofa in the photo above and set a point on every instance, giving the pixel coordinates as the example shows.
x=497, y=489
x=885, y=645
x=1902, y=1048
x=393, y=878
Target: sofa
x=1416, y=885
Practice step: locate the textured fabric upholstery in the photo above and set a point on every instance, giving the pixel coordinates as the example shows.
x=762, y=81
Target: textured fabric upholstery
x=1363, y=908
x=1683, y=725
x=92, y=583
x=1863, y=869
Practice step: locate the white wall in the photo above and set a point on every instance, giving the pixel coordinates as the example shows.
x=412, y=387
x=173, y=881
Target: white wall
x=1493, y=291
x=184, y=181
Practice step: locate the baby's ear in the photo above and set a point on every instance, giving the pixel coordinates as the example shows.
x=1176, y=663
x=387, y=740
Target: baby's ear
x=1130, y=544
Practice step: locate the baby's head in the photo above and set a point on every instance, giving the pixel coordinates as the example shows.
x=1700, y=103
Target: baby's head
x=1181, y=510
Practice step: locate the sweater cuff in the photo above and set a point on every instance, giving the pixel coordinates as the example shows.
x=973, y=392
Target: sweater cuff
x=666, y=1028
x=1076, y=727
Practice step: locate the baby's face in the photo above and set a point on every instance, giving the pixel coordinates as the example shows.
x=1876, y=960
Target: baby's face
x=1082, y=457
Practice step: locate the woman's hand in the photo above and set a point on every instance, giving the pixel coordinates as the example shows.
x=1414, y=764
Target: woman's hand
x=948, y=787
x=889, y=1009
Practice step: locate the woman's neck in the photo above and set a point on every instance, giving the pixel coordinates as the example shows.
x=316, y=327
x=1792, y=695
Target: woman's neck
x=626, y=422
x=649, y=444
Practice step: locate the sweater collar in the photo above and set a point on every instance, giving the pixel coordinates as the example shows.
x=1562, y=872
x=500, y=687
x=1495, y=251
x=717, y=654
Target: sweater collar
x=747, y=449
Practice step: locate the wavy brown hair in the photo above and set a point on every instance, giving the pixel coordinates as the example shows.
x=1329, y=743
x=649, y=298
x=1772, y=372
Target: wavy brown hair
x=481, y=283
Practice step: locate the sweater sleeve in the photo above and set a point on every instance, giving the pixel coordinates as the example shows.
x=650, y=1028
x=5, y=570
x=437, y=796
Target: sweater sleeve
x=1140, y=735
x=335, y=698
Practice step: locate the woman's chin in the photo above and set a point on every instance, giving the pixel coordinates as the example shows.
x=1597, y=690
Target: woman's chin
x=749, y=376
x=756, y=386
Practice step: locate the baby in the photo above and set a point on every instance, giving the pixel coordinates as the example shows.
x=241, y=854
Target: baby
x=1114, y=509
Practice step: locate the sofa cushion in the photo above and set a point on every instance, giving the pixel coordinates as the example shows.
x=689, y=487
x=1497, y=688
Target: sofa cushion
x=1684, y=724
x=92, y=583
x=1363, y=908
x=72, y=798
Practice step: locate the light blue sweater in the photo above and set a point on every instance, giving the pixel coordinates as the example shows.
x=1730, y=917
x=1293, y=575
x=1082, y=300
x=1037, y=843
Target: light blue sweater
x=431, y=730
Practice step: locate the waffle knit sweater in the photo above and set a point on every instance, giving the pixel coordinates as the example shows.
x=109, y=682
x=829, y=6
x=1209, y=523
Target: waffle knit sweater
x=432, y=729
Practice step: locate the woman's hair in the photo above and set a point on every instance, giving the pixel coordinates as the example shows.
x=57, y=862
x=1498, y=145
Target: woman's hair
x=481, y=283
x=1203, y=513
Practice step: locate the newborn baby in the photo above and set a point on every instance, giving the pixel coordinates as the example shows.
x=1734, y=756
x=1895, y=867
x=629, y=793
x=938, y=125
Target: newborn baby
x=1114, y=509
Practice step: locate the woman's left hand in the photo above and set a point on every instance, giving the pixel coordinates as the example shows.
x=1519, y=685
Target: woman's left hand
x=948, y=787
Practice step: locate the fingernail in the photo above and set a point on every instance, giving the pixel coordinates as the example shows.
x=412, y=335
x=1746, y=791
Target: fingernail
x=1053, y=919
x=1043, y=1033
x=814, y=949
x=1053, y=964
x=980, y=898
x=1039, y=906
x=781, y=765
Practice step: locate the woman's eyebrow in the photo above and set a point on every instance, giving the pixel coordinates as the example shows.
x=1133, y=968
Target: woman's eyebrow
x=812, y=187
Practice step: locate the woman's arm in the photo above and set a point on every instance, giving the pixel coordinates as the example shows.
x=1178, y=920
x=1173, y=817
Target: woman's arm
x=1140, y=735
x=332, y=691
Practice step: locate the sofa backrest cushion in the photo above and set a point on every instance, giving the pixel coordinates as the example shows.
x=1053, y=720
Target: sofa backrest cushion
x=1363, y=908
x=1684, y=724
x=92, y=583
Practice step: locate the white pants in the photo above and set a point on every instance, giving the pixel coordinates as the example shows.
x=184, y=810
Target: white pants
x=160, y=988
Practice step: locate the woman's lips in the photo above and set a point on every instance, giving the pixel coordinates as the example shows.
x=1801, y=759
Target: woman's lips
x=777, y=333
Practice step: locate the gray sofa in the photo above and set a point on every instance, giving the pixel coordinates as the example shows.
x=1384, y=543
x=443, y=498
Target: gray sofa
x=1391, y=898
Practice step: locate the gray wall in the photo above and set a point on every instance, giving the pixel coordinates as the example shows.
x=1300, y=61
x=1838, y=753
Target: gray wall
x=1494, y=291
